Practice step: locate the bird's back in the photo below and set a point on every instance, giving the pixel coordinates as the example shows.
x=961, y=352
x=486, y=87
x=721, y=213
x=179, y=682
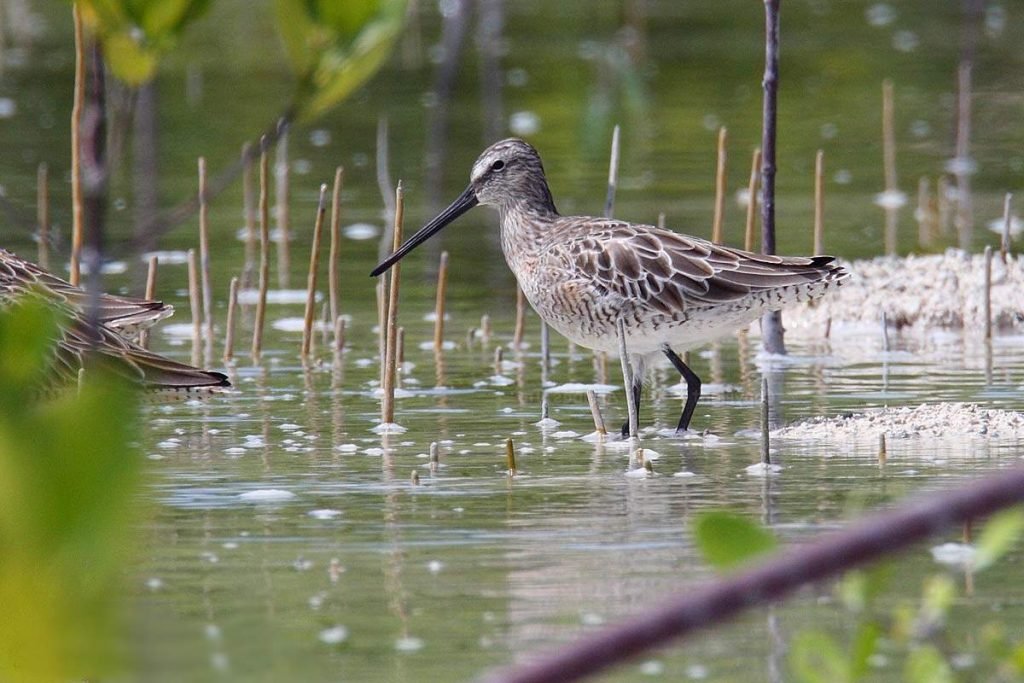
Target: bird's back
x=587, y=272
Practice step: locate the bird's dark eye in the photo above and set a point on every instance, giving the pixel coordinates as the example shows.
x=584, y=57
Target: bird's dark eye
x=498, y=165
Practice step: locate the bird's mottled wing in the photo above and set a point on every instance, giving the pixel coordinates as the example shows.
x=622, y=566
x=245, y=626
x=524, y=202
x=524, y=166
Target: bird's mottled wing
x=666, y=272
x=112, y=351
x=128, y=314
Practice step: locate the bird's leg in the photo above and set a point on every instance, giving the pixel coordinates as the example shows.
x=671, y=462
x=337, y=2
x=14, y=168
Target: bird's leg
x=636, y=388
x=692, y=388
x=632, y=382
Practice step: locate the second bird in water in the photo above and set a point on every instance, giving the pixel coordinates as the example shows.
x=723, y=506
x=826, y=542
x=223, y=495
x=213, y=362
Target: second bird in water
x=583, y=275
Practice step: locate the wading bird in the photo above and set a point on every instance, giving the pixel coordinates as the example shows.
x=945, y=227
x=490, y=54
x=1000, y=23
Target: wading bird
x=590, y=277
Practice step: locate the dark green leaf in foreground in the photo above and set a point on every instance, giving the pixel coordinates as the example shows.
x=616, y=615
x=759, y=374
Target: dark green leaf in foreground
x=726, y=540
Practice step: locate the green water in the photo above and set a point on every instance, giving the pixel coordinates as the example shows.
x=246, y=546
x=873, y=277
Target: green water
x=468, y=570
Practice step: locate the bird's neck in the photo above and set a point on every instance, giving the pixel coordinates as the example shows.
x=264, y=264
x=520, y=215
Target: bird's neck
x=525, y=230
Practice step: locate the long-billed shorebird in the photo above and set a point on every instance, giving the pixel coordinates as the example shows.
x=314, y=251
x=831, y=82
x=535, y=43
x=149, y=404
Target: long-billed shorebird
x=109, y=340
x=589, y=278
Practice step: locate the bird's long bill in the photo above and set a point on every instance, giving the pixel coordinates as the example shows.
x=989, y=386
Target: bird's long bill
x=466, y=201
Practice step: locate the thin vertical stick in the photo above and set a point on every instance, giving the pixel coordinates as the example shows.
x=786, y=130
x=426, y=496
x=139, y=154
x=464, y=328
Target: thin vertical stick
x=888, y=136
x=149, y=296
x=1004, y=242
x=819, y=202
x=229, y=332
x=43, y=214
x=613, y=174
x=150, y=293
x=963, y=106
x=400, y=353
x=510, y=457
x=249, y=215
x=485, y=328
x=595, y=412
x=204, y=252
x=766, y=458
x=439, y=302
x=517, y=337
x=435, y=456
x=752, y=190
x=77, y=207
x=339, y=334
x=889, y=161
x=942, y=204
x=381, y=290
x=924, y=212
x=391, y=349
x=384, y=186
x=770, y=85
x=314, y=261
x=964, y=217
x=194, y=302
x=772, y=331
x=326, y=324
x=988, y=292
x=282, y=196
x=716, y=226
x=335, y=253
x=627, y=377
x=261, y=303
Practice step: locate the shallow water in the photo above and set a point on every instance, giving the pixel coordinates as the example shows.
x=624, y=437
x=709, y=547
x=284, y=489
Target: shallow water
x=468, y=569
x=350, y=570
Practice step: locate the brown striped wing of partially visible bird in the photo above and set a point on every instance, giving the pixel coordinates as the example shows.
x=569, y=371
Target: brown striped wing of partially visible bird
x=118, y=320
x=588, y=277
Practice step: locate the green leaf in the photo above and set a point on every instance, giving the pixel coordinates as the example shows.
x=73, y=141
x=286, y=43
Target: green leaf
x=136, y=33
x=858, y=588
x=726, y=540
x=939, y=594
x=1016, y=659
x=334, y=47
x=128, y=59
x=926, y=665
x=815, y=657
x=25, y=328
x=864, y=644
x=68, y=481
x=1000, y=534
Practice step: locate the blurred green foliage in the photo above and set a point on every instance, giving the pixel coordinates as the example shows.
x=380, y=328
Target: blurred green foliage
x=727, y=540
x=916, y=632
x=332, y=47
x=67, y=507
x=135, y=33
x=919, y=632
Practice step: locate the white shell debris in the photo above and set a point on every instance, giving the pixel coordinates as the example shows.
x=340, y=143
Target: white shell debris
x=929, y=420
x=266, y=496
